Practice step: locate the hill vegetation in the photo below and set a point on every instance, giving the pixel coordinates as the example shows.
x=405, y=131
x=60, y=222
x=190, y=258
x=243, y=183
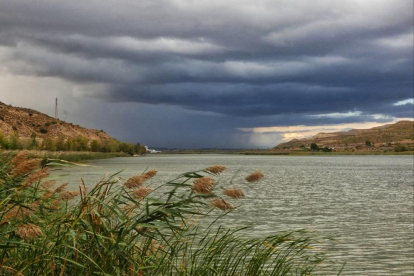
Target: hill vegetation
x=22, y=128
x=391, y=137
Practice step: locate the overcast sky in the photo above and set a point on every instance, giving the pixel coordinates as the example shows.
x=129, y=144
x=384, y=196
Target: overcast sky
x=195, y=74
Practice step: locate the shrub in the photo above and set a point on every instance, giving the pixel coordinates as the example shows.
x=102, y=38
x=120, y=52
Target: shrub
x=130, y=229
x=42, y=130
x=400, y=148
x=314, y=146
x=326, y=149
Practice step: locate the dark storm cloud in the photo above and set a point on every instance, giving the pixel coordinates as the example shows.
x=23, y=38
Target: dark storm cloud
x=273, y=62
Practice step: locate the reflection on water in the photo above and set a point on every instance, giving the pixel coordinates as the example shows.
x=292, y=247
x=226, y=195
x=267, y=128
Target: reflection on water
x=365, y=202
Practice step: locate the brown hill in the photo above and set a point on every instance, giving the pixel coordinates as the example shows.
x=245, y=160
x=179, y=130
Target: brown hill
x=24, y=122
x=389, y=135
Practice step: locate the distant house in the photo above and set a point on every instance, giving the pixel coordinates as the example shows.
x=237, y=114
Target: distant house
x=152, y=150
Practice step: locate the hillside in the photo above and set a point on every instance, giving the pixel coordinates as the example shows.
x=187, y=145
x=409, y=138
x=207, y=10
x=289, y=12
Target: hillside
x=383, y=137
x=25, y=122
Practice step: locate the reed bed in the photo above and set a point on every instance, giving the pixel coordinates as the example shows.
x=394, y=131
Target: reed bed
x=72, y=156
x=126, y=228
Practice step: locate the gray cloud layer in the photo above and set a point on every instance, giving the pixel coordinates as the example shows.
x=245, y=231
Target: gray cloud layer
x=236, y=58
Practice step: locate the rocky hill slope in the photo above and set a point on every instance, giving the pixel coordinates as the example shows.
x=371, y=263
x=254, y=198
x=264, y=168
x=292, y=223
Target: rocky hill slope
x=25, y=122
x=389, y=135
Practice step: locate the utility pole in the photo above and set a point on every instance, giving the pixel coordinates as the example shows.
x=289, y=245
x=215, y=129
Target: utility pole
x=65, y=115
x=56, y=110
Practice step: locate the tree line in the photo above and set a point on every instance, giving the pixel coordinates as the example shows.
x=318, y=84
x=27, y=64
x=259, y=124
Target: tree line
x=13, y=142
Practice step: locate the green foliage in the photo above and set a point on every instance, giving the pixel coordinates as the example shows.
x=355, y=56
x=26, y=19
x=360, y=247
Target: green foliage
x=42, y=130
x=49, y=144
x=4, y=143
x=325, y=149
x=126, y=147
x=368, y=143
x=33, y=143
x=314, y=146
x=111, y=231
x=14, y=142
x=60, y=143
x=140, y=149
x=71, y=144
x=400, y=148
x=94, y=146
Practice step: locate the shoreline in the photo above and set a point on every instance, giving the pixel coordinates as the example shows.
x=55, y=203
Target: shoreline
x=286, y=153
x=85, y=156
x=73, y=156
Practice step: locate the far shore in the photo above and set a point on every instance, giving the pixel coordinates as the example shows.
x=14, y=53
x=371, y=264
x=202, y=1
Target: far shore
x=84, y=156
x=286, y=152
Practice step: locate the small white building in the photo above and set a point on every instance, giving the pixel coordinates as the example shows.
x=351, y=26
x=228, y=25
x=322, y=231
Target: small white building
x=152, y=150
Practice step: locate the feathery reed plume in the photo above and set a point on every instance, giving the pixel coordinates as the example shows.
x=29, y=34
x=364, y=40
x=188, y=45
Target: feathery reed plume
x=26, y=167
x=46, y=185
x=19, y=212
x=203, y=185
x=19, y=158
x=150, y=174
x=36, y=176
x=141, y=192
x=255, y=176
x=128, y=208
x=221, y=204
x=61, y=188
x=34, y=205
x=234, y=193
x=68, y=195
x=28, y=231
x=154, y=248
x=216, y=169
x=140, y=229
x=47, y=195
x=55, y=204
x=135, y=182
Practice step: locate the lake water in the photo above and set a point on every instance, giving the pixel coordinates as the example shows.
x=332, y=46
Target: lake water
x=365, y=202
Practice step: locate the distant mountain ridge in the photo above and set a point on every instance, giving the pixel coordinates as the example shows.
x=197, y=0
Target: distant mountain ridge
x=25, y=122
x=388, y=135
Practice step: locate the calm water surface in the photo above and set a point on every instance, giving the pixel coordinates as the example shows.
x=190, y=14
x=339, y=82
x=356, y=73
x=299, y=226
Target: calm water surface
x=365, y=202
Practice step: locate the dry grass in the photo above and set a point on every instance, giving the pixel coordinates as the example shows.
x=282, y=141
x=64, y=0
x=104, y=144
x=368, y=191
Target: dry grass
x=255, y=176
x=28, y=231
x=216, y=169
x=141, y=193
x=204, y=185
x=221, y=204
x=234, y=193
x=135, y=182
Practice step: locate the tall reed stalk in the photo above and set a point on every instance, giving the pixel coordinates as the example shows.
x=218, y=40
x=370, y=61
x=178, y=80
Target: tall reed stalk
x=125, y=228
